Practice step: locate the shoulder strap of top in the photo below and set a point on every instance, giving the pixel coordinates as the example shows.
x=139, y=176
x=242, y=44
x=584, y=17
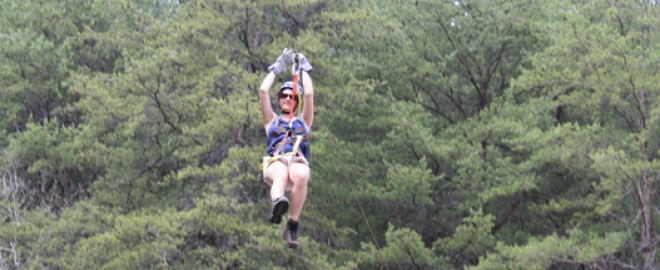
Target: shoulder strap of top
x=300, y=118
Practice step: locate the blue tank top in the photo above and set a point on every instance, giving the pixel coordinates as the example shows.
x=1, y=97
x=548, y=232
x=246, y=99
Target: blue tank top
x=282, y=137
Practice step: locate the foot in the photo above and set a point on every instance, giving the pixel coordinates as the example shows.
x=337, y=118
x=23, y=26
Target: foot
x=279, y=208
x=290, y=235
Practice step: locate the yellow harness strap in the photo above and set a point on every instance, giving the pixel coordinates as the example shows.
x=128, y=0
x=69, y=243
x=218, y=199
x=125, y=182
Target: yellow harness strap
x=277, y=156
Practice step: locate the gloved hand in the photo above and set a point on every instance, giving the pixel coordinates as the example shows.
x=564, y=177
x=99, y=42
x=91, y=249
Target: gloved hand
x=304, y=64
x=282, y=61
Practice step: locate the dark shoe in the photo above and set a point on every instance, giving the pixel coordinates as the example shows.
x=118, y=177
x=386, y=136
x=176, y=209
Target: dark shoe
x=290, y=235
x=280, y=206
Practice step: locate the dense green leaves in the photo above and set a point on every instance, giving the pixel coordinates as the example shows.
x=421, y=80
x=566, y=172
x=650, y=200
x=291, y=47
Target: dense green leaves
x=448, y=134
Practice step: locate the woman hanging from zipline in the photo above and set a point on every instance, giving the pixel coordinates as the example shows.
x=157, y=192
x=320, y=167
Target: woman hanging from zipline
x=286, y=167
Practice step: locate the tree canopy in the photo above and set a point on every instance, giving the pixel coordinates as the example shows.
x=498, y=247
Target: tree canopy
x=477, y=134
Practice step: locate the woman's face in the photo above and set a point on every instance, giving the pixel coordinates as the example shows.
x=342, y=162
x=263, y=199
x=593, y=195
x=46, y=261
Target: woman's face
x=284, y=99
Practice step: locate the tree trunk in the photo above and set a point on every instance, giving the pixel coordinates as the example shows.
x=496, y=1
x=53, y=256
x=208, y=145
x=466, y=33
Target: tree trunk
x=646, y=234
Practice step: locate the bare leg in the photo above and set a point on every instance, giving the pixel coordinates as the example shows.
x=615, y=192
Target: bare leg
x=298, y=174
x=277, y=177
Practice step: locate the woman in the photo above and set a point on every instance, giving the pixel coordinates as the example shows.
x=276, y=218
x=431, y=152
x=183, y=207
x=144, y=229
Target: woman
x=285, y=167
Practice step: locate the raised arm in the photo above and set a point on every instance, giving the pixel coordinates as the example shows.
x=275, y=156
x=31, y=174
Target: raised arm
x=308, y=87
x=308, y=103
x=264, y=99
x=278, y=67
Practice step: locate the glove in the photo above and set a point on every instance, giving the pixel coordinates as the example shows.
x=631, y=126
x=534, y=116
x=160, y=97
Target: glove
x=282, y=61
x=302, y=61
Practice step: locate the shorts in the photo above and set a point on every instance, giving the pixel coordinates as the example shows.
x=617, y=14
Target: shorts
x=287, y=160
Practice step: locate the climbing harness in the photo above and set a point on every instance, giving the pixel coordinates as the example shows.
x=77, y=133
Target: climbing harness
x=283, y=135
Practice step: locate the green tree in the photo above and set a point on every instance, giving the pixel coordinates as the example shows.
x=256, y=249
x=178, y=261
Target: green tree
x=420, y=138
x=170, y=144
x=587, y=118
x=481, y=135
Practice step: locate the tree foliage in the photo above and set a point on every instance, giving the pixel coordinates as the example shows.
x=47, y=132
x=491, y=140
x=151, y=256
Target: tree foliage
x=448, y=134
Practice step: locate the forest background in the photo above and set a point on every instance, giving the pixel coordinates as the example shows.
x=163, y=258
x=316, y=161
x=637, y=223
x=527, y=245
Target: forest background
x=478, y=134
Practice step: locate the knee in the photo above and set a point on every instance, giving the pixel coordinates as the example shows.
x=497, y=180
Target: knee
x=299, y=176
x=276, y=172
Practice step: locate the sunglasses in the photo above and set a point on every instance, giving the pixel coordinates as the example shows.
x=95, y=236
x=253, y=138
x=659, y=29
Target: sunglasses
x=285, y=96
